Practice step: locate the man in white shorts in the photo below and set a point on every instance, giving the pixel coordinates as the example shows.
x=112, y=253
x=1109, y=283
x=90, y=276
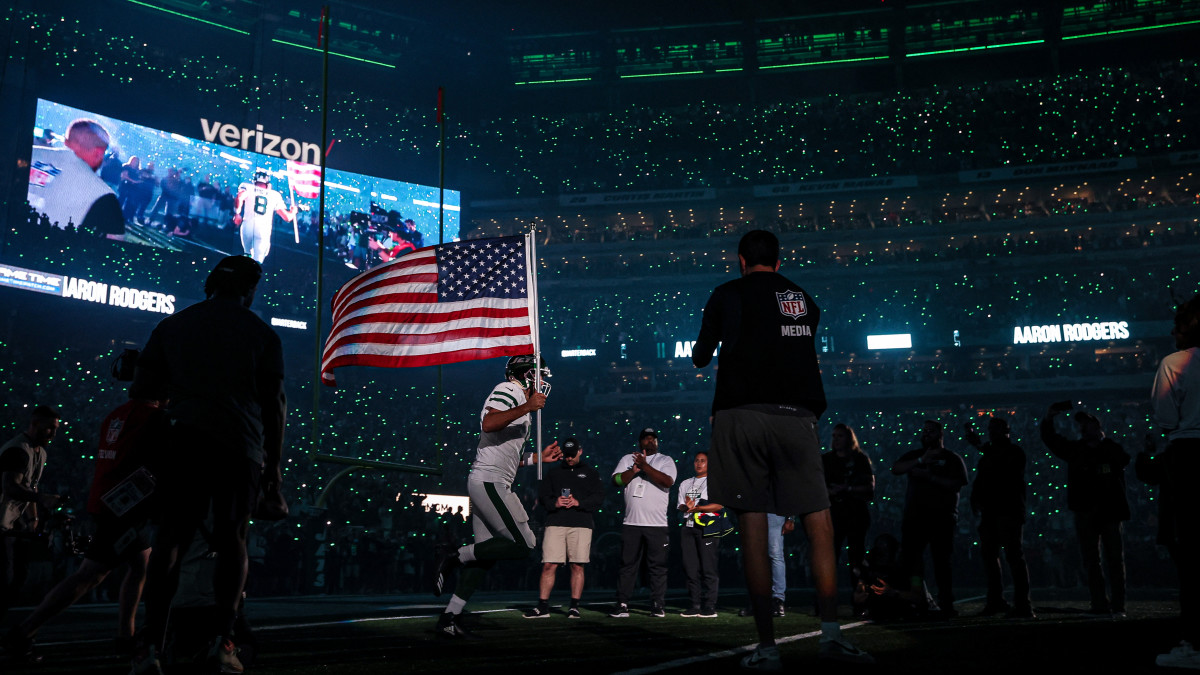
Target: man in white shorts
x=500, y=522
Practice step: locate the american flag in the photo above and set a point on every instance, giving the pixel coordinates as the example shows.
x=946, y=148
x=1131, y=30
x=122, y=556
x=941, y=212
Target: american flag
x=456, y=302
x=305, y=179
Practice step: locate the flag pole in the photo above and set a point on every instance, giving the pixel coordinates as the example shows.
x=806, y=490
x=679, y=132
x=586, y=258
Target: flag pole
x=535, y=329
x=295, y=221
x=323, y=40
x=441, y=120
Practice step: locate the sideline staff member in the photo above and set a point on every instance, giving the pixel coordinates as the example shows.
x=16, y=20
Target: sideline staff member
x=647, y=476
x=570, y=495
x=765, y=456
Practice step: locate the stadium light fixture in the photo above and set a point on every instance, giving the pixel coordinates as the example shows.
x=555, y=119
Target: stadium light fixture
x=569, y=79
x=1177, y=24
x=344, y=56
x=189, y=17
x=896, y=341
x=977, y=49
x=824, y=63
x=682, y=72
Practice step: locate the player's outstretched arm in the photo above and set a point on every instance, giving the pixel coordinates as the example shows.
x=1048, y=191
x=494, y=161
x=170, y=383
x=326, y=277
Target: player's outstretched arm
x=551, y=453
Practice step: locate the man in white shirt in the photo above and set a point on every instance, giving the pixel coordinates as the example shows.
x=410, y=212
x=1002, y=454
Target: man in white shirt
x=646, y=477
x=1176, y=401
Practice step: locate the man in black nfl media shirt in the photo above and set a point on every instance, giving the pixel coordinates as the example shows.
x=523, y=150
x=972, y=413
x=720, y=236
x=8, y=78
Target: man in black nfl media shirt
x=765, y=455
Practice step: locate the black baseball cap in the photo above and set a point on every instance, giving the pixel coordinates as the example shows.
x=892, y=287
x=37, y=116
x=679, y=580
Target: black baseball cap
x=647, y=432
x=570, y=447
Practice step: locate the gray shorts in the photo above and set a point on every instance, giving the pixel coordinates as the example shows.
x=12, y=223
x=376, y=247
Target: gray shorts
x=769, y=463
x=497, y=512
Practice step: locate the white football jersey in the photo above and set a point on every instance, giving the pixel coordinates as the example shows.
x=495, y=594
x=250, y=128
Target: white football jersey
x=499, y=454
x=259, y=205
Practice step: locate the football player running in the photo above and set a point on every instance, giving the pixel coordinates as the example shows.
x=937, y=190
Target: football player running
x=499, y=520
x=254, y=212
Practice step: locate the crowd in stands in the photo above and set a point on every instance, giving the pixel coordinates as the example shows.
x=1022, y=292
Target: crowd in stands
x=1098, y=114
x=981, y=287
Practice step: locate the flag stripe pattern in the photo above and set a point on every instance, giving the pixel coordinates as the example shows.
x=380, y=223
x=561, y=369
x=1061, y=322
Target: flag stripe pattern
x=304, y=178
x=441, y=304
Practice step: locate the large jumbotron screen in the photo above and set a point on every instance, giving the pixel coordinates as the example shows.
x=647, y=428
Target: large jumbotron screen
x=184, y=193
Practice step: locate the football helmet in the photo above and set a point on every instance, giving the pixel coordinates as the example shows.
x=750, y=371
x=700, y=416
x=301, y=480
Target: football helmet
x=262, y=175
x=520, y=369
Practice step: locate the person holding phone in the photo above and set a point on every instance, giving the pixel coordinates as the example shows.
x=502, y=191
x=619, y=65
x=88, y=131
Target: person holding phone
x=570, y=496
x=1096, y=495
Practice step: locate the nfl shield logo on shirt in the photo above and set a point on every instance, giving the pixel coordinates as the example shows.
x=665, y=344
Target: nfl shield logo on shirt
x=791, y=303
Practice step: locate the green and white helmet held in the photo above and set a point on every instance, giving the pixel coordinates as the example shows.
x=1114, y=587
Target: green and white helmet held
x=520, y=369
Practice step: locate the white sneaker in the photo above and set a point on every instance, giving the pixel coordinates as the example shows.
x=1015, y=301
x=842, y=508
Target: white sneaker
x=842, y=650
x=1182, y=656
x=765, y=659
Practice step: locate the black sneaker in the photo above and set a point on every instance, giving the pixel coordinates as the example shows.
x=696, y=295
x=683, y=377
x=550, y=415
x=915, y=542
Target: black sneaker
x=573, y=613
x=621, y=611
x=540, y=612
x=446, y=562
x=450, y=626
x=707, y=613
x=778, y=610
x=691, y=611
x=657, y=611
